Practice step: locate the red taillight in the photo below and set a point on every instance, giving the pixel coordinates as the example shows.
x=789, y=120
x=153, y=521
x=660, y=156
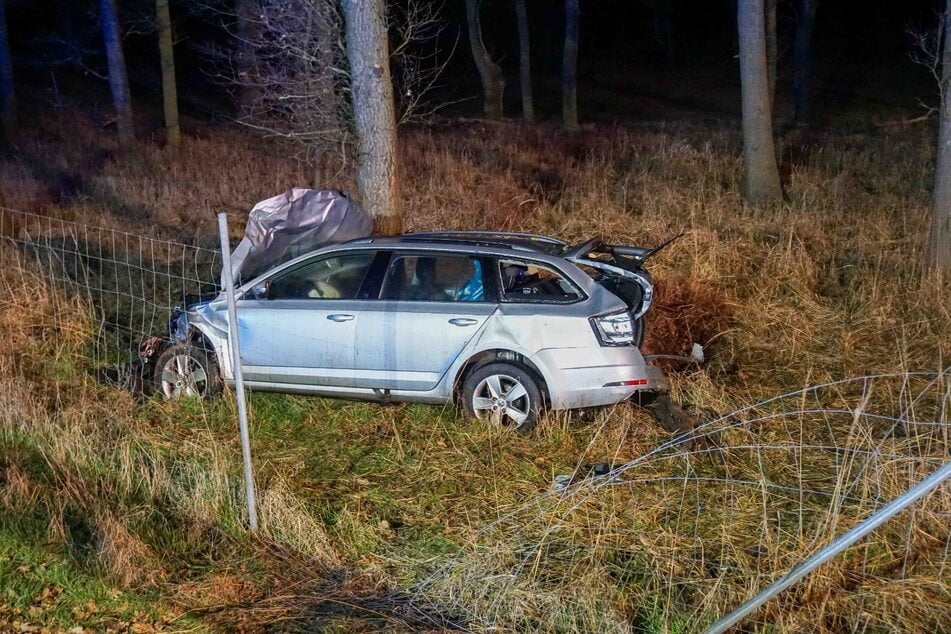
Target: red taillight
x=631, y=383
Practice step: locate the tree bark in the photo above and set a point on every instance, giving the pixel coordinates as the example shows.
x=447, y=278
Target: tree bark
x=761, y=177
x=490, y=73
x=938, y=250
x=524, y=61
x=118, y=79
x=374, y=112
x=173, y=133
x=569, y=67
x=7, y=94
x=772, y=51
x=802, y=61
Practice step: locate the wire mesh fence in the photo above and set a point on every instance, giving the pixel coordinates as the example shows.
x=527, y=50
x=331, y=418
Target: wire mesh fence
x=129, y=284
x=688, y=531
x=667, y=541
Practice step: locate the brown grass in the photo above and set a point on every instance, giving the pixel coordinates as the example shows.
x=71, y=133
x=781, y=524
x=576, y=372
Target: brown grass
x=825, y=285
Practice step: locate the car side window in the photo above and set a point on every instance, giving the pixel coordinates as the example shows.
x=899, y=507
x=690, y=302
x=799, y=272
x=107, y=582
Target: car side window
x=331, y=277
x=434, y=278
x=531, y=282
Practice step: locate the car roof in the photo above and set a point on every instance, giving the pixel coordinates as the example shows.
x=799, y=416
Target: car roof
x=471, y=241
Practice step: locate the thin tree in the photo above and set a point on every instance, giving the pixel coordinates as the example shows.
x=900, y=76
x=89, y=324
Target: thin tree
x=118, y=79
x=772, y=51
x=490, y=73
x=761, y=174
x=374, y=113
x=802, y=60
x=524, y=61
x=938, y=250
x=7, y=94
x=173, y=134
x=569, y=67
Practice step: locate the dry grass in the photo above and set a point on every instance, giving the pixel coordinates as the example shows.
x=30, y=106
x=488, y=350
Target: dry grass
x=824, y=286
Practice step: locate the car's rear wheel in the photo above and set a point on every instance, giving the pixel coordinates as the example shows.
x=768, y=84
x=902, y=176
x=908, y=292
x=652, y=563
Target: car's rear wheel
x=185, y=369
x=506, y=394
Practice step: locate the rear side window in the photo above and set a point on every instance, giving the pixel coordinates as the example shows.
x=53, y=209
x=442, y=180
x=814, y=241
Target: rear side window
x=434, y=278
x=531, y=282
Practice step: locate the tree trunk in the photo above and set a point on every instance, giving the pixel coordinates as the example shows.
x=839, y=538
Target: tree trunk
x=173, y=134
x=118, y=79
x=772, y=52
x=938, y=251
x=493, y=82
x=569, y=67
x=7, y=95
x=246, y=75
x=524, y=61
x=802, y=60
x=761, y=178
x=373, y=111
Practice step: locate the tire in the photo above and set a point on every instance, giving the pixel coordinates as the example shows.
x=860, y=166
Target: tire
x=485, y=390
x=183, y=370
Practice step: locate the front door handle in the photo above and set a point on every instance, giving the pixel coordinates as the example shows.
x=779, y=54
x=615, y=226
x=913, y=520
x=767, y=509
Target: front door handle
x=463, y=321
x=340, y=317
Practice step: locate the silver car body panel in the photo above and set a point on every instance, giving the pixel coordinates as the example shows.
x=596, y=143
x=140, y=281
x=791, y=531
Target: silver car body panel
x=417, y=351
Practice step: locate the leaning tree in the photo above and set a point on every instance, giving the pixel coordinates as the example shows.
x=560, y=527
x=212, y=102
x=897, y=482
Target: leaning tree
x=490, y=73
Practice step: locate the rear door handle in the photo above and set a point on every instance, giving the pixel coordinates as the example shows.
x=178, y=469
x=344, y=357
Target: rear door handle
x=340, y=317
x=463, y=321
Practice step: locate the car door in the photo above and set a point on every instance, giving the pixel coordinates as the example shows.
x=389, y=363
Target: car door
x=430, y=305
x=299, y=327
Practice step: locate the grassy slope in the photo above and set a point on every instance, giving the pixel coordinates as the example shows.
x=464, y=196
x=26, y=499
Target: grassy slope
x=134, y=504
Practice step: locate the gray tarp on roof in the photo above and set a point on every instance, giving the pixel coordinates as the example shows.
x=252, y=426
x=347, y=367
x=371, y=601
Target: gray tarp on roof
x=293, y=223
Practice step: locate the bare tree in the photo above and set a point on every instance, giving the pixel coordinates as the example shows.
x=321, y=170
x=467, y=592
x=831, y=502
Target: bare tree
x=802, y=60
x=761, y=181
x=569, y=66
x=772, y=51
x=938, y=251
x=374, y=112
x=7, y=94
x=173, y=134
x=118, y=79
x=490, y=73
x=524, y=61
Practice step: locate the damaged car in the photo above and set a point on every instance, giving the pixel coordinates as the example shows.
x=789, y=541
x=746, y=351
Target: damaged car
x=506, y=325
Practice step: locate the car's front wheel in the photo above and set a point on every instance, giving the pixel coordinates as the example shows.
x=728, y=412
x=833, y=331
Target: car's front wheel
x=506, y=394
x=185, y=369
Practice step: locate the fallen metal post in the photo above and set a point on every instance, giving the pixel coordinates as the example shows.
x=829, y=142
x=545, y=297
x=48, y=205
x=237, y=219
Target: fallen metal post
x=235, y=347
x=842, y=542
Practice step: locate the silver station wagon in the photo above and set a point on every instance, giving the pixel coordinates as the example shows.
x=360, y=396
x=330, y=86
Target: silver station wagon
x=504, y=324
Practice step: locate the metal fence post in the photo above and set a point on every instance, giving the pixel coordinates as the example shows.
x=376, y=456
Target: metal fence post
x=839, y=544
x=235, y=347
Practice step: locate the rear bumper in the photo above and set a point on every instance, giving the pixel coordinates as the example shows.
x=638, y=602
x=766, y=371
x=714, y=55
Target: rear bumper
x=589, y=377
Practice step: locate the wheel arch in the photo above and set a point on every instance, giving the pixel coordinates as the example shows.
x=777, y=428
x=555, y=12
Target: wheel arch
x=499, y=355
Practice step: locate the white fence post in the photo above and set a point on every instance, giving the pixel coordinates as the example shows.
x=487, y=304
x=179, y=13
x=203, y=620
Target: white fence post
x=235, y=347
x=839, y=544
